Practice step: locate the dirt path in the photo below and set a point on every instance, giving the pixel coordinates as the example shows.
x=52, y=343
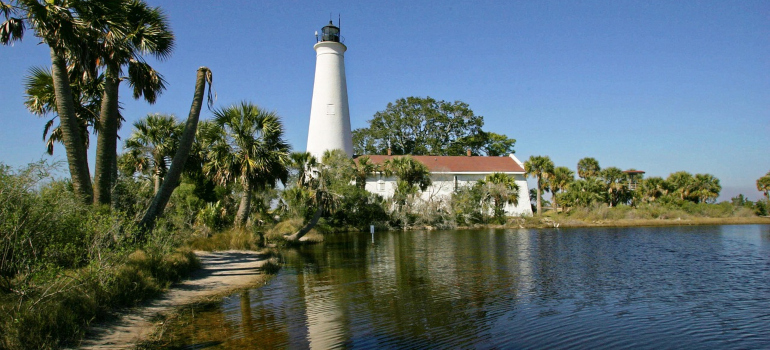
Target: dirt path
x=220, y=272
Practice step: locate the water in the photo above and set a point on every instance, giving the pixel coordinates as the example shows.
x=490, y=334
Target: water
x=705, y=287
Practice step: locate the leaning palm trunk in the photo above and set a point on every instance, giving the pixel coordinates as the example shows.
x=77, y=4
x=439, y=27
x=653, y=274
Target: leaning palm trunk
x=242, y=217
x=312, y=223
x=106, y=146
x=171, y=181
x=77, y=158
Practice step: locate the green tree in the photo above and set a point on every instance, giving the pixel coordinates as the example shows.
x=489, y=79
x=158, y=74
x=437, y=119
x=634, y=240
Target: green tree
x=682, y=184
x=178, y=163
x=561, y=178
x=616, y=183
x=499, y=189
x=40, y=99
x=152, y=144
x=583, y=193
x=707, y=188
x=412, y=175
x=363, y=167
x=63, y=26
x=541, y=167
x=497, y=145
x=133, y=30
x=301, y=165
x=763, y=185
x=652, y=188
x=249, y=149
x=332, y=191
x=588, y=167
x=424, y=126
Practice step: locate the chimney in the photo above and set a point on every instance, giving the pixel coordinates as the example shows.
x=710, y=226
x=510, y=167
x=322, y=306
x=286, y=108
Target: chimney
x=390, y=151
x=469, y=152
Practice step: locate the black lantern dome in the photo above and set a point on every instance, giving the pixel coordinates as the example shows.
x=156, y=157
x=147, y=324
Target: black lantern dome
x=330, y=33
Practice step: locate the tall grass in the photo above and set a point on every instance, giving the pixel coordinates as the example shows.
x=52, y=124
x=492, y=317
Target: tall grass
x=658, y=211
x=64, y=265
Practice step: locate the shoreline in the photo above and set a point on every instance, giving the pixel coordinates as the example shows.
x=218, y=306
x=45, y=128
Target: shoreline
x=221, y=272
x=549, y=222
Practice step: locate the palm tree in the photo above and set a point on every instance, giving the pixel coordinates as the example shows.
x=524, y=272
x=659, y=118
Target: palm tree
x=64, y=28
x=135, y=30
x=583, y=192
x=652, y=188
x=707, y=188
x=363, y=167
x=40, y=99
x=500, y=189
x=171, y=181
x=561, y=178
x=682, y=183
x=412, y=175
x=763, y=184
x=588, y=167
x=153, y=143
x=541, y=167
x=616, y=185
x=303, y=163
x=249, y=150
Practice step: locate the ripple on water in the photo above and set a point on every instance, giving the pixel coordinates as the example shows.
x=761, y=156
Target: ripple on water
x=639, y=288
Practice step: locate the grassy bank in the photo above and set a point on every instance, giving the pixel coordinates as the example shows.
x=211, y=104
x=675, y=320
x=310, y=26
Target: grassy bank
x=64, y=265
x=644, y=215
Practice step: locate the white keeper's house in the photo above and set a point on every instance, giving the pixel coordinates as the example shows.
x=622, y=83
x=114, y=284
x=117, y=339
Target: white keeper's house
x=330, y=129
x=449, y=173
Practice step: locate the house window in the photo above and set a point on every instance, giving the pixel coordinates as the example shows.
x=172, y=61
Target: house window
x=381, y=186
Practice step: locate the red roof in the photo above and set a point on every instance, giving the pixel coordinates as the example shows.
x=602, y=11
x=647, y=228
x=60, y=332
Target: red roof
x=460, y=164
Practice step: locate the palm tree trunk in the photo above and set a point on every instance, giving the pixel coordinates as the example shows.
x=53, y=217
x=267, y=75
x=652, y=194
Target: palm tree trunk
x=171, y=181
x=107, y=138
x=242, y=217
x=157, y=179
x=75, y=146
x=539, y=195
x=313, y=222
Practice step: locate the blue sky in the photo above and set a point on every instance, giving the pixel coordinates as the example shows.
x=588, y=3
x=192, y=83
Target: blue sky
x=660, y=86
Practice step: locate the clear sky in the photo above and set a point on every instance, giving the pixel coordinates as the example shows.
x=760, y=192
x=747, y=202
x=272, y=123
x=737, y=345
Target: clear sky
x=660, y=86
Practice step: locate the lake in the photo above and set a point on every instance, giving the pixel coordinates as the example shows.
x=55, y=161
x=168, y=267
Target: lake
x=696, y=287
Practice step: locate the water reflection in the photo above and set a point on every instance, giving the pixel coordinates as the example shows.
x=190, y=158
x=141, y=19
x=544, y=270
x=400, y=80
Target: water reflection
x=693, y=287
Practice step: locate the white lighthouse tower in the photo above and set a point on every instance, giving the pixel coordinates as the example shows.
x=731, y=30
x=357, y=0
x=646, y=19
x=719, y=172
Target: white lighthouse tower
x=329, y=113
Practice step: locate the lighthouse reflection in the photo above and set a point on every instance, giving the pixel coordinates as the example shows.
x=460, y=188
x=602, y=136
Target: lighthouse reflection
x=424, y=287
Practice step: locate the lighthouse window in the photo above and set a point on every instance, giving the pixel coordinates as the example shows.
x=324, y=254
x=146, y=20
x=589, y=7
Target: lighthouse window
x=330, y=110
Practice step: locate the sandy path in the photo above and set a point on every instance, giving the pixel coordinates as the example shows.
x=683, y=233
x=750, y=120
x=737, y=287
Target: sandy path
x=220, y=272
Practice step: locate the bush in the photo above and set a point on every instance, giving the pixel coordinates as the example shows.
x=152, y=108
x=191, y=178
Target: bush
x=64, y=264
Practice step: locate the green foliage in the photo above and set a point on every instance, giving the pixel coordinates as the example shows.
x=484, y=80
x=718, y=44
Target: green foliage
x=424, y=126
x=468, y=207
x=588, y=167
x=235, y=238
x=498, y=189
x=41, y=223
x=64, y=264
x=151, y=146
x=245, y=145
x=763, y=185
x=542, y=168
x=616, y=185
x=357, y=208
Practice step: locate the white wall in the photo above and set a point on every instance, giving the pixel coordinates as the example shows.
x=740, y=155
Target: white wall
x=444, y=184
x=329, y=113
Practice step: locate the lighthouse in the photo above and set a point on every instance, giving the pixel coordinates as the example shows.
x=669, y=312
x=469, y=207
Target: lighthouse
x=329, y=113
